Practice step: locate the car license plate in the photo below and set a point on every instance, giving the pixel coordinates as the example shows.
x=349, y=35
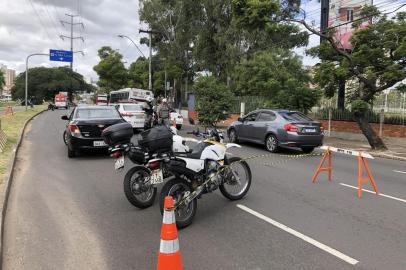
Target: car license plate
x=157, y=177
x=310, y=130
x=99, y=143
x=119, y=163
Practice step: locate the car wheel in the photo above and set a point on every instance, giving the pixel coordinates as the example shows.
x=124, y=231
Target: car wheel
x=65, y=137
x=232, y=135
x=271, y=143
x=307, y=149
x=178, y=127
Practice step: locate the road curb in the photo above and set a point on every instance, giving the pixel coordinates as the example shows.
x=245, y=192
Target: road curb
x=5, y=186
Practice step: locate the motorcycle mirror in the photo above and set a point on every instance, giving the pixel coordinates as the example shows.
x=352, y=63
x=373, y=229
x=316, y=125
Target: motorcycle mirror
x=64, y=117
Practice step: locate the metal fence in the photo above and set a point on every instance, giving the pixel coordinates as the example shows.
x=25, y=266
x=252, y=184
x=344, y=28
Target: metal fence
x=346, y=115
x=3, y=139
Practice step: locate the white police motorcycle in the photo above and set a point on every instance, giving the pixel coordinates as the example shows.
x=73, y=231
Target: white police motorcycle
x=158, y=144
x=204, y=170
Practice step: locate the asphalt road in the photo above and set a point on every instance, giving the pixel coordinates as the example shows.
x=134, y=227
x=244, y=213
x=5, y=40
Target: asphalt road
x=72, y=214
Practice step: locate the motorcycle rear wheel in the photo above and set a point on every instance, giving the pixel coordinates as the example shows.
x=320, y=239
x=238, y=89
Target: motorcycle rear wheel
x=134, y=176
x=176, y=188
x=241, y=188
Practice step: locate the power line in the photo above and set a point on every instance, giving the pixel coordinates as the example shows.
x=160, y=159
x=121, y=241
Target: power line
x=42, y=23
x=316, y=12
x=52, y=19
x=363, y=18
x=357, y=13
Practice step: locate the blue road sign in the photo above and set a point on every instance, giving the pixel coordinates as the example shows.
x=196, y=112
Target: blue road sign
x=62, y=56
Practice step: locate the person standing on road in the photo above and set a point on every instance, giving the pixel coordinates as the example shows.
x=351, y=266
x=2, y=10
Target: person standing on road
x=149, y=113
x=163, y=112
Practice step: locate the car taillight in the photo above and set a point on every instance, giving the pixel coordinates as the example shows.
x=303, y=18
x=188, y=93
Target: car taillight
x=291, y=128
x=154, y=165
x=116, y=154
x=126, y=114
x=74, y=129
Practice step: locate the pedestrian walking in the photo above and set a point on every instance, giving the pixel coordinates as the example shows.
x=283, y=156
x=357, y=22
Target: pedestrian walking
x=164, y=113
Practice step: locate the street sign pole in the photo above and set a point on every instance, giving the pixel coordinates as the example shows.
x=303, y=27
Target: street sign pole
x=54, y=55
x=26, y=76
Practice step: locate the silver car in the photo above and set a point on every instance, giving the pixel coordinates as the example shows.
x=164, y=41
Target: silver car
x=277, y=128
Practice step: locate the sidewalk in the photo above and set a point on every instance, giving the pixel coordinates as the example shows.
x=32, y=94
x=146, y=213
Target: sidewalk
x=396, y=146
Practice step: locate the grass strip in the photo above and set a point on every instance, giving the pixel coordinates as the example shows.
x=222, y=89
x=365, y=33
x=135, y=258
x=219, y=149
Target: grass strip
x=12, y=126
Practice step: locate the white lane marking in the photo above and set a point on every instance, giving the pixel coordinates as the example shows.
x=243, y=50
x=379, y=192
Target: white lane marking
x=306, y=238
x=399, y=171
x=380, y=194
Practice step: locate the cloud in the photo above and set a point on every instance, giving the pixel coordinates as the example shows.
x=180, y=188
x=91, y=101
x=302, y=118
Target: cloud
x=33, y=26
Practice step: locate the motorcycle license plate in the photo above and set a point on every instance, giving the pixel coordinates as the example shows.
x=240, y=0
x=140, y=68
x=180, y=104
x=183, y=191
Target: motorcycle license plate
x=157, y=177
x=119, y=163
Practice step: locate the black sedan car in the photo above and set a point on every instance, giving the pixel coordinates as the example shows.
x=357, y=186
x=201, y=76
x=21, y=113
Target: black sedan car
x=277, y=128
x=85, y=126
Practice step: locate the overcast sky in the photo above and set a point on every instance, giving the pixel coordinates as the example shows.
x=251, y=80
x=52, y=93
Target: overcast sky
x=32, y=26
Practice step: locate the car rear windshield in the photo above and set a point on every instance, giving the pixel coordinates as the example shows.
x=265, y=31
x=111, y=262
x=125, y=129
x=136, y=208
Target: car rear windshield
x=95, y=113
x=132, y=107
x=295, y=116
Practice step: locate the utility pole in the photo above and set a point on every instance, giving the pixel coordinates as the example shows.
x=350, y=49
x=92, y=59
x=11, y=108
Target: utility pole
x=325, y=5
x=150, y=56
x=71, y=37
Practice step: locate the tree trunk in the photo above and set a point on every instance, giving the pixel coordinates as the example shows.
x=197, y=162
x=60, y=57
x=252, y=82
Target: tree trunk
x=341, y=94
x=374, y=141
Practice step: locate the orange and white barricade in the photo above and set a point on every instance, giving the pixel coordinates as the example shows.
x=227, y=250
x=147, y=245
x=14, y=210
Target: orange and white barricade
x=362, y=165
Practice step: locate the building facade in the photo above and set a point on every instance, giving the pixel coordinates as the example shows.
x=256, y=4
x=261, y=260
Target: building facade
x=9, y=76
x=340, y=15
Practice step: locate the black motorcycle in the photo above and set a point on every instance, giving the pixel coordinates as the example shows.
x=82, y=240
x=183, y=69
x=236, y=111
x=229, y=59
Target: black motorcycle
x=141, y=181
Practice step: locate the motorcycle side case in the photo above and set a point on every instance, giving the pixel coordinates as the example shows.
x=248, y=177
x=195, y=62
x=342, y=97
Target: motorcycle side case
x=157, y=139
x=138, y=156
x=118, y=134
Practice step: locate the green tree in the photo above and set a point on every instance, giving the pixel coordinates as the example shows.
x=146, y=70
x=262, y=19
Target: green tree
x=376, y=62
x=2, y=79
x=174, y=26
x=112, y=73
x=44, y=83
x=213, y=100
x=279, y=77
x=138, y=74
x=207, y=35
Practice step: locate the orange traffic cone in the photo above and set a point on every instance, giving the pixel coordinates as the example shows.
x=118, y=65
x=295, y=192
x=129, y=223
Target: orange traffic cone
x=169, y=257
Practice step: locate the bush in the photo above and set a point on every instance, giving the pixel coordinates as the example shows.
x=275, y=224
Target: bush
x=213, y=100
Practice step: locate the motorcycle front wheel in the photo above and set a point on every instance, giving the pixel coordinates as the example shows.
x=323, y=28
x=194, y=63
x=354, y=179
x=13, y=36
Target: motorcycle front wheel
x=176, y=188
x=237, y=180
x=137, y=192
